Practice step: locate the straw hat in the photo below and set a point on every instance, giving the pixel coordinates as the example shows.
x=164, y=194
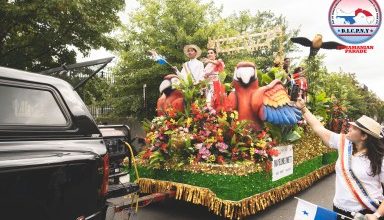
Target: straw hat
x=193, y=46
x=368, y=125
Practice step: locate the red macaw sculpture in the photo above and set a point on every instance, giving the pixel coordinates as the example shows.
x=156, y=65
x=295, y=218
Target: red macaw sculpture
x=170, y=97
x=267, y=103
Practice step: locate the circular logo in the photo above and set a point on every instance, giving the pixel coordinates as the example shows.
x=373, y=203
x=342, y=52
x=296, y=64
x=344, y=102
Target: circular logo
x=355, y=21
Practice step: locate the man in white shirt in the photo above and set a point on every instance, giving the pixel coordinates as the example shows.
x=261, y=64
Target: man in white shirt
x=193, y=66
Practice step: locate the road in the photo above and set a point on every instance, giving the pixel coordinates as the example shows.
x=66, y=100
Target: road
x=321, y=193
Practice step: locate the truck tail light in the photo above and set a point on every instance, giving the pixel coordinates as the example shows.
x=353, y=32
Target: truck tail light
x=104, y=184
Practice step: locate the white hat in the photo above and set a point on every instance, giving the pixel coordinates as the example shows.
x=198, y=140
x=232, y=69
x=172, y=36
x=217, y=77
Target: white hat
x=368, y=125
x=193, y=46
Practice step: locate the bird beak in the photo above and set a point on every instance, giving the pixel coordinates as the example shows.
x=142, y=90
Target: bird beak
x=175, y=82
x=164, y=85
x=245, y=74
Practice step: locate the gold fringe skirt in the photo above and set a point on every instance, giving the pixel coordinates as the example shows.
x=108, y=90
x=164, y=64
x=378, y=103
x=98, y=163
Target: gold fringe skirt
x=234, y=209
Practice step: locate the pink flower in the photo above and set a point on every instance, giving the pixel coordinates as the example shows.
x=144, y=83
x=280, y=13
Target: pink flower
x=199, y=146
x=205, y=153
x=221, y=146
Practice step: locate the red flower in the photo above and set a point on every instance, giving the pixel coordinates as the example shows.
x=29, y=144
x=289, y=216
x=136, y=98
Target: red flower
x=235, y=152
x=195, y=110
x=220, y=159
x=261, y=135
x=171, y=112
x=273, y=152
x=273, y=143
x=147, y=154
x=197, y=158
x=268, y=166
x=163, y=146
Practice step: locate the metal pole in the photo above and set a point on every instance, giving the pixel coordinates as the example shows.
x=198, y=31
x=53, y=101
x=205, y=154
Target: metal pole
x=145, y=100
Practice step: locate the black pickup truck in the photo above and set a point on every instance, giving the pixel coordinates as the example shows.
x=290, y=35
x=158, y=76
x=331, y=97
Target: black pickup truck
x=53, y=160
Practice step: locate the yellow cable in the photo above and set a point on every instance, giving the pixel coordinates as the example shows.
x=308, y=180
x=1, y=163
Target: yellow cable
x=134, y=161
x=136, y=171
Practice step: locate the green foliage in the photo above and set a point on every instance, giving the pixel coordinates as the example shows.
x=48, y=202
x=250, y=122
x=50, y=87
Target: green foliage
x=270, y=75
x=167, y=26
x=339, y=94
x=285, y=133
x=36, y=35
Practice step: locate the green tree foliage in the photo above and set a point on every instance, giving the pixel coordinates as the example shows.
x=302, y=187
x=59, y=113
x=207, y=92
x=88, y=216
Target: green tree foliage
x=96, y=91
x=36, y=35
x=330, y=90
x=168, y=25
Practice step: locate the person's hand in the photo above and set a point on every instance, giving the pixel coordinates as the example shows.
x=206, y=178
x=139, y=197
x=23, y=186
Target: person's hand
x=370, y=217
x=205, y=60
x=175, y=69
x=358, y=216
x=300, y=104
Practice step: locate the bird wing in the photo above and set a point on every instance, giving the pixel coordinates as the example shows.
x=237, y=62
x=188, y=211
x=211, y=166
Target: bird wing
x=160, y=105
x=178, y=104
x=332, y=45
x=231, y=104
x=275, y=108
x=302, y=40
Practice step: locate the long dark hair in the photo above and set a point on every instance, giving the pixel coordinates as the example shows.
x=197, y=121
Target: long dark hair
x=375, y=153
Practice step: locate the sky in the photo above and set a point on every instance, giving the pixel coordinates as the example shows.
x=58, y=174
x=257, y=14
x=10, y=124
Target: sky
x=311, y=17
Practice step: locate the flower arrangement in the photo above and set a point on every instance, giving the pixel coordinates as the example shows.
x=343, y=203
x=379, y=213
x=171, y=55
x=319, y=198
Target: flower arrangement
x=205, y=136
x=201, y=134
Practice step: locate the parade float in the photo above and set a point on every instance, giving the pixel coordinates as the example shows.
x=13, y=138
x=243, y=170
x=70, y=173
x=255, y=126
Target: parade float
x=236, y=159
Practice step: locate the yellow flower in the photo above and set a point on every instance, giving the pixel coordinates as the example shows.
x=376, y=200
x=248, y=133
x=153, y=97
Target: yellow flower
x=212, y=158
x=262, y=144
x=211, y=140
x=220, y=131
x=251, y=151
x=189, y=121
x=191, y=159
x=172, y=121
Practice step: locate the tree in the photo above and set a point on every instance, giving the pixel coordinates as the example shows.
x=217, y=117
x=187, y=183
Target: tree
x=167, y=25
x=327, y=89
x=164, y=25
x=37, y=35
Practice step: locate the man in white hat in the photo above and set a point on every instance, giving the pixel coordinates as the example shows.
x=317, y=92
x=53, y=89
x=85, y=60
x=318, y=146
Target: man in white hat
x=193, y=66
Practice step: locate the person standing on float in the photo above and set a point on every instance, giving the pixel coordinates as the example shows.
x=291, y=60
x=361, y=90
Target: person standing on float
x=193, y=67
x=215, y=92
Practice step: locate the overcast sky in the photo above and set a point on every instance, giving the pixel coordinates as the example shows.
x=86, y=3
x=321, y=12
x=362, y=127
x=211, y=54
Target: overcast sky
x=312, y=18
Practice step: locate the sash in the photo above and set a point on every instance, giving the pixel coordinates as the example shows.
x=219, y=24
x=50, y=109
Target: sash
x=353, y=183
x=188, y=70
